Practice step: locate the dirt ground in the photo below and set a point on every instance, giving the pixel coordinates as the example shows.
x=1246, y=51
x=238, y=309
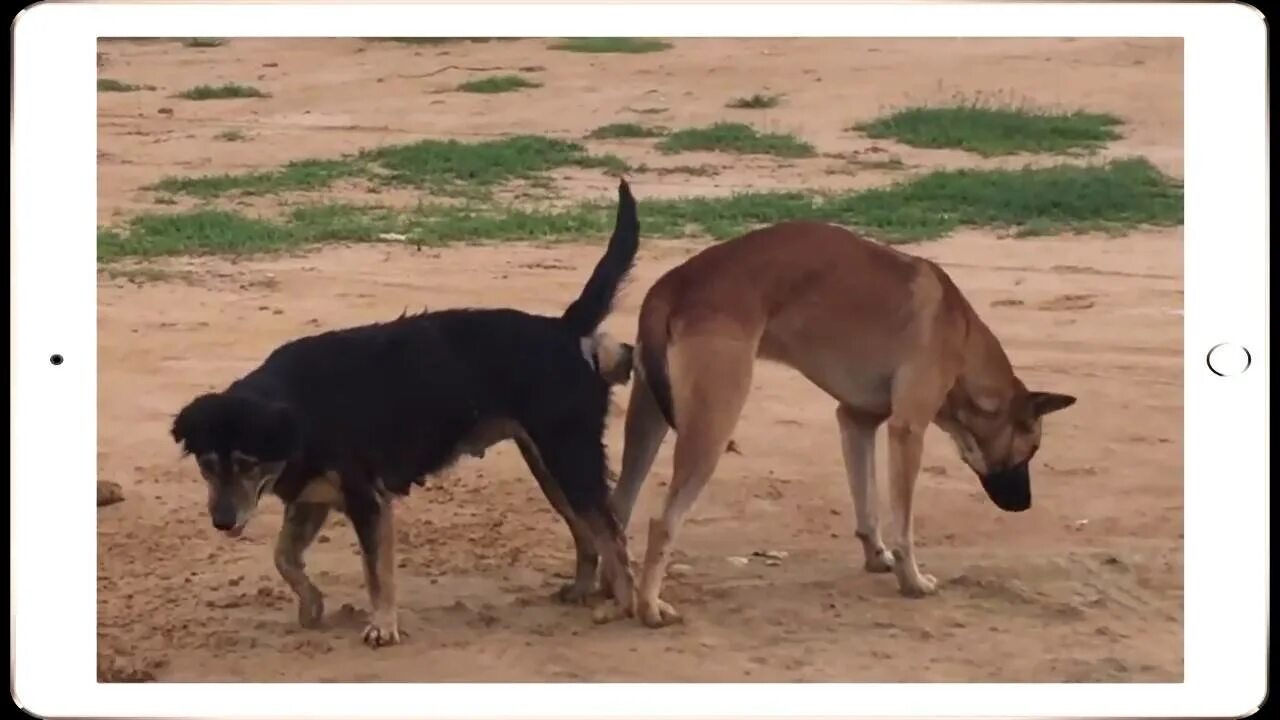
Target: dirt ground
x=1086, y=586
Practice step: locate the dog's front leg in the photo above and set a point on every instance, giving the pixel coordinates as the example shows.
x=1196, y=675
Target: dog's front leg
x=906, y=445
x=372, y=518
x=302, y=522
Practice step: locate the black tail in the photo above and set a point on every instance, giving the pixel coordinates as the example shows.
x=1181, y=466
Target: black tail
x=593, y=305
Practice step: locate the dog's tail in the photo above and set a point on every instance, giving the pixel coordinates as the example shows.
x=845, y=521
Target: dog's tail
x=586, y=313
x=653, y=336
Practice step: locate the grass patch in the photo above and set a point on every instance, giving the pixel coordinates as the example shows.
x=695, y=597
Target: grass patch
x=298, y=175
x=446, y=166
x=992, y=131
x=755, y=102
x=109, y=85
x=738, y=139
x=222, y=92
x=231, y=136
x=440, y=163
x=695, y=170
x=626, y=130
x=498, y=84
x=611, y=45
x=1068, y=198
x=203, y=42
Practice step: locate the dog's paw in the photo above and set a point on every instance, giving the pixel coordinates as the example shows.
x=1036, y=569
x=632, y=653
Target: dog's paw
x=573, y=594
x=609, y=611
x=881, y=561
x=922, y=586
x=311, y=611
x=381, y=632
x=658, y=614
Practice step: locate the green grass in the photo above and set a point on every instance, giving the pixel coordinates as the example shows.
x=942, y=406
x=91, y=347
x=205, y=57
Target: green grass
x=1067, y=198
x=109, y=85
x=498, y=84
x=755, y=102
x=295, y=176
x=441, y=165
x=221, y=92
x=626, y=130
x=991, y=131
x=203, y=42
x=611, y=45
x=738, y=139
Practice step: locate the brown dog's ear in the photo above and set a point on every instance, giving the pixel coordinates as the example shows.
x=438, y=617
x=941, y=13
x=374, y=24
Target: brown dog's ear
x=1043, y=403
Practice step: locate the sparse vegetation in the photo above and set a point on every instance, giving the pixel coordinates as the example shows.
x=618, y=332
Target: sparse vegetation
x=626, y=130
x=204, y=42
x=611, y=45
x=736, y=138
x=109, y=85
x=442, y=165
x=695, y=170
x=755, y=102
x=299, y=175
x=498, y=84
x=231, y=136
x=1118, y=195
x=222, y=92
x=994, y=130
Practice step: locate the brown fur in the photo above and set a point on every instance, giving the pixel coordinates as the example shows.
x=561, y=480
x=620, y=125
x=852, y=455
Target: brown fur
x=889, y=336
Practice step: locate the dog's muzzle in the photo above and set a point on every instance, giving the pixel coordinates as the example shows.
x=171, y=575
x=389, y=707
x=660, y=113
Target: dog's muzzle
x=1009, y=489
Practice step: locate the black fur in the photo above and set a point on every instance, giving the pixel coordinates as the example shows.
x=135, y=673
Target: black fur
x=393, y=401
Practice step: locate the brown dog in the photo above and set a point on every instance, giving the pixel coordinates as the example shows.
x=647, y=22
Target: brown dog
x=886, y=334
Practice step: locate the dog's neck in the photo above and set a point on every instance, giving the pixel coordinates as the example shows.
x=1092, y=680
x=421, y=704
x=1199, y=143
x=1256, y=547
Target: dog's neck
x=986, y=374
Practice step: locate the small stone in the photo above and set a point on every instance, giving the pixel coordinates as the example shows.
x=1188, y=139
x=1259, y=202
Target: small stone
x=109, y=493
x=772, y=554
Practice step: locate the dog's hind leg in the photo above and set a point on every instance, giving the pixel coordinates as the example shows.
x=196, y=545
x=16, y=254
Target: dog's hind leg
x=576, y=462
x=302, y=522
x=371, y=515
x=711, y=377
x=644, y=433
x=858, y=445
x=584, y=577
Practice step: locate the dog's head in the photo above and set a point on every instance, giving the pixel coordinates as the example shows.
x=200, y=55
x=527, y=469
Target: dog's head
x=998, y=436
x=241, y=445
x=611, y=359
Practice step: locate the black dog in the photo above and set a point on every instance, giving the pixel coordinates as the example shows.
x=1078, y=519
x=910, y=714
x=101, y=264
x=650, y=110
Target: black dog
x=352, y=418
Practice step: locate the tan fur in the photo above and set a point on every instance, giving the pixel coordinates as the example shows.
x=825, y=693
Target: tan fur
x=325, y=490
x=889, y=336
x=302, y=522
x=380, y=578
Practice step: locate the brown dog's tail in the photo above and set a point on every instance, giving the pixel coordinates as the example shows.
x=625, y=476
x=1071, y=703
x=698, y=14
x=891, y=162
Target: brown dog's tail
x=653, y=336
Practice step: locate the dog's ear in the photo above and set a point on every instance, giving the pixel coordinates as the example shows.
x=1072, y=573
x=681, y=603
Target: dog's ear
x=186, y=423
x=1043, y=403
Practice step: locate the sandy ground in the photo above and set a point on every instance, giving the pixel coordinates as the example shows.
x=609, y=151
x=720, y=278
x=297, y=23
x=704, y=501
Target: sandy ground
x=1086, y=586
